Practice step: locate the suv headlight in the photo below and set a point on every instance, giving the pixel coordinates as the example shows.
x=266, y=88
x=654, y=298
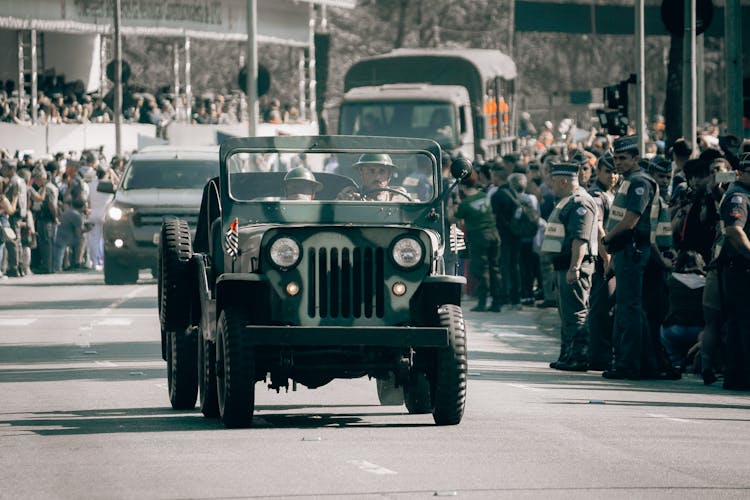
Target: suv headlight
x=284, y=253
x=118, y=214
x=407, y=252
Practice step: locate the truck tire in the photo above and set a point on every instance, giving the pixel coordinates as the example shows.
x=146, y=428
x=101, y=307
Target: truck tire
x=175, y=251
x=118, y=274
x=235, y=370
x=417, y=395
x=182, y=369
x=388, y=393
x=207, y=378
x=450, y=370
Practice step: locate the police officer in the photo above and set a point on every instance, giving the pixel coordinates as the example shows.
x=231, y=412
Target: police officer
x=376, y=171
x=482, y=242
x=628, y=239
x=571, y=238
x=602, y=282
x=300, y=184
x=734, y=270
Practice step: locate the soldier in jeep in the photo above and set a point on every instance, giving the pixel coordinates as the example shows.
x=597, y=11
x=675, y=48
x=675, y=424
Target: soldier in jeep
x=300, y=184
x=376, y=171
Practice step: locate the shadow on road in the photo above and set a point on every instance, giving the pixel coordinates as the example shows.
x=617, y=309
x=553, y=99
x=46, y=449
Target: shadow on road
x=125, y=420
x=133, y=303
x=61, y=353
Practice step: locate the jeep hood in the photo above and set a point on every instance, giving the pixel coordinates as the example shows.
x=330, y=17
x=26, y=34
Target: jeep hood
x=162, y=198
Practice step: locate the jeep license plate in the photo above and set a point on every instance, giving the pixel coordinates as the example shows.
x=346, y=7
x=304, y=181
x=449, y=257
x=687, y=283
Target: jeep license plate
x=156, y=238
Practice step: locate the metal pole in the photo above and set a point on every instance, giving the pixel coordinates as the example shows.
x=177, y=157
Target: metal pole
x=311, y=64
x=188, y=86
x=102, y=65
x=302, y=100
x=640, y=83
x=733, y=47
x=34, y=86
x=20, y=72
x=689, y=97
x=700, y=83
x=252, y=67
x=176, y=72
x=118, y=80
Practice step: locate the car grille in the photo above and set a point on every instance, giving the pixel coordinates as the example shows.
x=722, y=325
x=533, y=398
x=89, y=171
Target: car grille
x=345, y=282
x=155, y=219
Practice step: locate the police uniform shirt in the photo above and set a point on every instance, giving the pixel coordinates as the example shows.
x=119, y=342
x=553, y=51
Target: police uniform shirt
x=733, y=212
x=638, y=199
x=603, y=199
x=579, y=218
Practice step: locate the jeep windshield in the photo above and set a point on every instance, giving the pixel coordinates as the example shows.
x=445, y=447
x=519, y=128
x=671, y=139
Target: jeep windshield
x=169, y=174
x=329, y=176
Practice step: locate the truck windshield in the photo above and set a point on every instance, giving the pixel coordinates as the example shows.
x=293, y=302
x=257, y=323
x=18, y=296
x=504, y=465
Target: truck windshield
x=170, y=174
x=428, y=120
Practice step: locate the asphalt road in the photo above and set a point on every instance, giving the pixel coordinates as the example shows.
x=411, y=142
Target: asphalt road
x=85, y=414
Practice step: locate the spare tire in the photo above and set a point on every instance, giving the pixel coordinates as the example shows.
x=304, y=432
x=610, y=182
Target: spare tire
x=175, y=251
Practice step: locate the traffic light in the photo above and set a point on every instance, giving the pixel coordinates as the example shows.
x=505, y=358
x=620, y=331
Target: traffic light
x=615, y=117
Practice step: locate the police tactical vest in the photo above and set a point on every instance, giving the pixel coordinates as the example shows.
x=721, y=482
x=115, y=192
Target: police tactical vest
x=554, y=233
x=660, y=223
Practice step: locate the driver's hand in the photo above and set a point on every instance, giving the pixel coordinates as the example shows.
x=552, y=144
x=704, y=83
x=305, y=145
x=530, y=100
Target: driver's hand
x=349, y=193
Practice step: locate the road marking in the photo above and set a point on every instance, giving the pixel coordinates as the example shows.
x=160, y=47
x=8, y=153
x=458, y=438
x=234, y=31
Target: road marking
x=673, y=419
x=16, y=321
x=114, y=322
x=107, y=310
x=526, y=387
x=370, y=467
x=108, y=364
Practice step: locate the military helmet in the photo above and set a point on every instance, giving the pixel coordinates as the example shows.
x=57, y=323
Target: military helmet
x=301, y=174
x=375, y=159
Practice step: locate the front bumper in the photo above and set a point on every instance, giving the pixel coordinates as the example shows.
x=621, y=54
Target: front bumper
x=347, y=336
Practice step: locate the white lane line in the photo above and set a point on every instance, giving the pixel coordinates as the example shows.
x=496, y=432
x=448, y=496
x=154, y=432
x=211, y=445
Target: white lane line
x=16, y=321
x=114, y=322
x=370, y=467
x=107, y=310
x=526, y=387
x=672, y=419
x=107, y=364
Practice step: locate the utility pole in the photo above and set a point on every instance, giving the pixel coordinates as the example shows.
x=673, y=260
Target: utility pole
x=689, y=91
x=118, y=81
x=252, y=67
x=733, y=48
x=640, y=78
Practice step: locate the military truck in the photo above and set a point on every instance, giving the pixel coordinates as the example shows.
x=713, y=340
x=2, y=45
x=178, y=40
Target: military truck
x=347, y=284
x=463, y=99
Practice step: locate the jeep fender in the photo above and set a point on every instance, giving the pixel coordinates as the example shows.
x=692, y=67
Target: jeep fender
x=435, y=291
x=248, y=291
x=204, y=302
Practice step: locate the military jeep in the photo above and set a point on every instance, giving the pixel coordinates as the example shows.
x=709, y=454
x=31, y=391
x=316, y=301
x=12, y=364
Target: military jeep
x=308, y=290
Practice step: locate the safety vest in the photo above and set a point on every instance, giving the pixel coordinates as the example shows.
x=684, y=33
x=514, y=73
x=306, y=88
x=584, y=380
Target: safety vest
x=554, y=233
x=660, y=223
x=734, y=190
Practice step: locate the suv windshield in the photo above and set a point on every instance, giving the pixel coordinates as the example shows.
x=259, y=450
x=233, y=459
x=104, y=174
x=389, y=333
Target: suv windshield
x=436, y=121
x=170, y=174
x=332, y=176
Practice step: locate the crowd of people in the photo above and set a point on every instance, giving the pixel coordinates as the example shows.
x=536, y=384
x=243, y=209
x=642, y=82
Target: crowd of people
x=51, y=213
x=644, y=253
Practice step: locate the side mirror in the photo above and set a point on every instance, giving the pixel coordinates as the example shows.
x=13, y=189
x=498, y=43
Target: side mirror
x=460, y=168
x=105, y=187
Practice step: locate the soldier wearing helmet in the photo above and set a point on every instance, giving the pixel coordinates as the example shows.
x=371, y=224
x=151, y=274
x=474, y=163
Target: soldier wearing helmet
x=300, y=184
x=376, y=171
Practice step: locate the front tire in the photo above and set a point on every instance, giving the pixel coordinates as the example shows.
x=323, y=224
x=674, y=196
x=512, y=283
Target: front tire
x=450, y=369
x=235, y=370
x=182, y=369
x=209, y=399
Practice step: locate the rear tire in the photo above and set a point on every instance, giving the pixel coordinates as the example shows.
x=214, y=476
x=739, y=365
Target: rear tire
x=235, y=370
x=207, y=378
x=388, y=393
x=175, y=251
x=417, y=394
x=182, y=369
x=451, y=367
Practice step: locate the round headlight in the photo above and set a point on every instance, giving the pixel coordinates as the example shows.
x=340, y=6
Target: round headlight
x=284, y=253
x=408, y=253
x=115, y=213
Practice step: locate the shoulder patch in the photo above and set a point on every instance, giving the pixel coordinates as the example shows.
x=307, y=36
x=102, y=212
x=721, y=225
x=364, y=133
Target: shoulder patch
x=581, y=211
x=640, y=190
x=737, y=199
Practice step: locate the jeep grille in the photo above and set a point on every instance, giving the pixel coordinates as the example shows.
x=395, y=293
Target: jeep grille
x=345, y=282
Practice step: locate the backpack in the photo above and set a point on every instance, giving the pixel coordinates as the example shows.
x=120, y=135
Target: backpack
x=525, y=220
